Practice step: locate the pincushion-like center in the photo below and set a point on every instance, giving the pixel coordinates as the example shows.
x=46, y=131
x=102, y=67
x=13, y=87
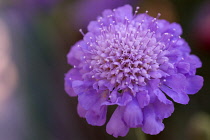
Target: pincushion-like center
x=126, y=54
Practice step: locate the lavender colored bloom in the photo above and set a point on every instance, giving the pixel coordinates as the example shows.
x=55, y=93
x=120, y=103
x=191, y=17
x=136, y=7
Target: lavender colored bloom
x=136, y=62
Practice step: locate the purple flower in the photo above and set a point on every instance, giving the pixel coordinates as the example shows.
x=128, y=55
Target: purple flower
x=136, y=62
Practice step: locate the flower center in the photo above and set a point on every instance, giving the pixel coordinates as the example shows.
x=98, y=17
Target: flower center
x=127, y=54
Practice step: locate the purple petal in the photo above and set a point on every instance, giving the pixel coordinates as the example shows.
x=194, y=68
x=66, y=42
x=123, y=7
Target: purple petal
x=73, y=74
x=126, y=98
x=88, y=99
x=181, y=98
x=120, y=14
x=124, y=12
x=68, y=88
x=166, y=67
x=176, y=82
x=121, y=100
x=72, y=58
x=194, y=84
x=113, y=96
x=182, y=46
x=96, y=115
x=133, y=115
x=163, y=110
x=78, y=86
x=161, y=97
x=105, y=84
x=154, y=83
x=116, y=126
x=89, y=37
x=94, y=27
x=163, y=25
x=151, y=125
x=174, y=55
x=143, y=98
x=183, y=67
x=144, y=17
x=175, y=29
x=107, y=13
x=81, y=111
x=155, y=74
x=194, y=63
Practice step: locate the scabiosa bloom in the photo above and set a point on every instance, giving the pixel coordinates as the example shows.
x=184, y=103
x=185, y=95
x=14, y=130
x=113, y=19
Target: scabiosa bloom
x=136, y=62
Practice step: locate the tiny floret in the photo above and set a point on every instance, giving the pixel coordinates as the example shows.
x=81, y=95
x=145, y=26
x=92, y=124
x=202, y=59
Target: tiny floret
x=135, y=61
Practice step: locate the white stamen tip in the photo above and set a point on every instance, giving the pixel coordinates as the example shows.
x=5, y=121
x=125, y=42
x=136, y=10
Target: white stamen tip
x=80, y=30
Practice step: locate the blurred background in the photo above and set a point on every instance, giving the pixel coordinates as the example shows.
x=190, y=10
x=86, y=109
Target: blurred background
x=35, y=37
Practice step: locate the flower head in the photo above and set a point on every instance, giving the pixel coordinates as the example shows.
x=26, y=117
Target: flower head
x=136, y=62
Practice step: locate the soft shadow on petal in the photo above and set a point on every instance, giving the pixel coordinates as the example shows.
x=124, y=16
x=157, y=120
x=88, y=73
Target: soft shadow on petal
x=88, y=99
x=194, y=61
x=73, y=74
x=78, y=86
x=94, y=27
x=174, y=55
x=107, y=12
x=151, y=125
x=133, y=115
x=126, y=98
x=81, y=111
x=176, y=82
x=96, y=111
x=154, y=83
x=162, y=24
x=116, y=126
x=163, y=110
x=183, y=67
x=175, y=29
x=161, y=96
x=71, y=57
x=181, y=98
x=124, y=11
x=96, y=115
x=194, y=84
x=143, y=98
x=121, y=100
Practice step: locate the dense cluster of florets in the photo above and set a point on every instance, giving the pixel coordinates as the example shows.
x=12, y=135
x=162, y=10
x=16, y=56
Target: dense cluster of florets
x=132, y=61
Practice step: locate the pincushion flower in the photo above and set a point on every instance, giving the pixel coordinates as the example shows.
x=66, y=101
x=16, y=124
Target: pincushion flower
x=137, y=62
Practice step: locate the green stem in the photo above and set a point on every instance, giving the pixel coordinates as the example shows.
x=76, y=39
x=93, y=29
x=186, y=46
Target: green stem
x=139, y=134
